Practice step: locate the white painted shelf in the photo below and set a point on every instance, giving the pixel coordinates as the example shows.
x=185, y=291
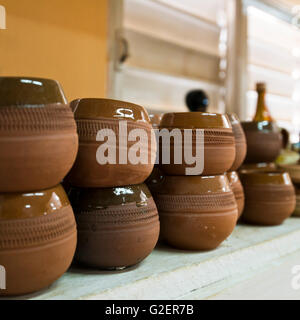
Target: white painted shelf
x=172, y=274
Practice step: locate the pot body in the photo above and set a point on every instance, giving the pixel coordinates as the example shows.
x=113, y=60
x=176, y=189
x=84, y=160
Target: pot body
x=297, y=210
x=117, y=227
x=196, y=213
x=270, y=197
x=96, y=115
x=237, y=188
x=240, y=142
x=217, y=149
x=264, y=141
x=38, y=146
x=37, y=239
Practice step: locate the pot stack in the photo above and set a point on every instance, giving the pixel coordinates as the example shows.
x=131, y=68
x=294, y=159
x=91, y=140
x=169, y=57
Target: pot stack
x=38, y=146
x=116, y=216
x=197, y=210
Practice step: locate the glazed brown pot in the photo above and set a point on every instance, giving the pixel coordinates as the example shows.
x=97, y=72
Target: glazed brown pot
x=28, y=91
x=93, y=115
x=117, y=227
x=237, y=188
x=240, y=142
x=196, y=213
x=155, y=120
x=264, y=141
x=38, y=141
x=269, y=197
x=219, y=145
x=293, y=170
x=37, y=239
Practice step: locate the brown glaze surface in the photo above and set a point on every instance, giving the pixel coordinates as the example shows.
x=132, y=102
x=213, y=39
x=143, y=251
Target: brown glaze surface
x=237, y=188
x=240, y=142
x=155, y=120
x=94, y=108
x=263, y=166
x=37, y=239
x=27, y=91
x=87, y=172
x=269, y=197
x=38, y=146
x=196, y=213
x=297, y=210
x=264, y=141
x=117, y=227
x=293, y=170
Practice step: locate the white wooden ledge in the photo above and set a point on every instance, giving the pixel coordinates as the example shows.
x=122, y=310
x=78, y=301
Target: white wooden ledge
x=172, y=274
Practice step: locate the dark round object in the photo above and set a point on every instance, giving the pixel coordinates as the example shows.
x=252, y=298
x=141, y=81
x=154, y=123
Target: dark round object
x=197, y=100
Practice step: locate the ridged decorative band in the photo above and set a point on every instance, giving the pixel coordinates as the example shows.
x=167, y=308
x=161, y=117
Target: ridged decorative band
x=129, y=213
x=36, y=119
x=33, y=232
x=213, y=136
x=213, y=202
x=87, y=128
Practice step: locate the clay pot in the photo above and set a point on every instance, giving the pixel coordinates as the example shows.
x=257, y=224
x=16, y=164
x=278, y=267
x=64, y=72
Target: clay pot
x=237, y=188
x=37, y=239
x=117, y=227
x=266, y=167
x=219, y=144
x=196, y=213
x=269, y=197
x=297, y=210
x=38, y=141
x=264, y=141
x=293, y=170
x=240, y=142
x=27, y=91
x=155, y=120
x=93, y=115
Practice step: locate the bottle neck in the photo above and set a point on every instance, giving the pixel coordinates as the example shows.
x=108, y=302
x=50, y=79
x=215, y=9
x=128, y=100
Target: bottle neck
x=262, y=112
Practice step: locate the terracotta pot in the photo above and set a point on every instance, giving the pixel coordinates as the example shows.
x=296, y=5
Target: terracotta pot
x=264, y=141
x=39, y=142
x=27, y=91
x=196, y=213
x=155, y=120
x=117, y=227
x=240, y=141
x=219, y=145
x=293, y=170
x=269, y=197
x=237, y=188
x=37, y=239
x=93, y=115
x=266, y=167
x=297, y=210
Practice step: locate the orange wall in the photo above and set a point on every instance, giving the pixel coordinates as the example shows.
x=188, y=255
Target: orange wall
x=58, y=39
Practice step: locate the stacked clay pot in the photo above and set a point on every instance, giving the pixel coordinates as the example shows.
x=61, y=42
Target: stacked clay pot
x=197, y=212
x=38, y=143
x=240, y=154
x=116, y=216
x=270, y=197
x=297, y=210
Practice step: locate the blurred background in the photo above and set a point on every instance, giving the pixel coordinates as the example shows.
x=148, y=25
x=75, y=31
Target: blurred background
x=154, y=52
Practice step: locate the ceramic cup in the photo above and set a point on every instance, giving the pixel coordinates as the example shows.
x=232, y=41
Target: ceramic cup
x=219, y=145
x=264, y=141
x=38, y=139
x=269, y=197
x=93, y=115
x=237, y=188
x=117, y=227
x=37, y=239
x=196, y=213
x=240, y=142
